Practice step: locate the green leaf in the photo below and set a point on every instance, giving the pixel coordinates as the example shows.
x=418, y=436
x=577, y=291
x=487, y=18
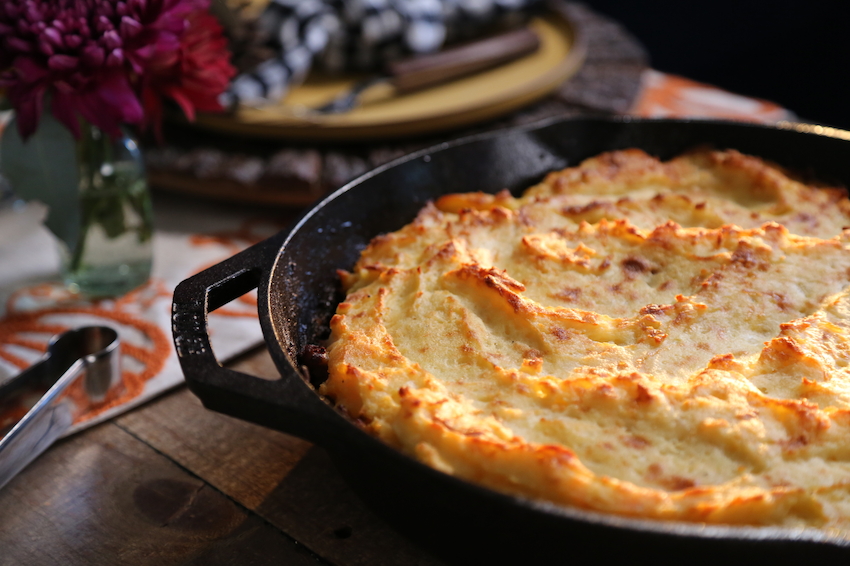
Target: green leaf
x=44, y=168
x=109, y=213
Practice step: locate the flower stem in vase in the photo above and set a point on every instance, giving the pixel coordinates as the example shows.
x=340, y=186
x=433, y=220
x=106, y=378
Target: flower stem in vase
x=113, y=253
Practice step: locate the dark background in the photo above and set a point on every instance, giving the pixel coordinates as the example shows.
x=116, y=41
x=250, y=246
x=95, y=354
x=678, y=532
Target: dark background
x=795, y=53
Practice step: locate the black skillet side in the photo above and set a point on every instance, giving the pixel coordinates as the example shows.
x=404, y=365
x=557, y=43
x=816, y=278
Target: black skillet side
x=298, y=291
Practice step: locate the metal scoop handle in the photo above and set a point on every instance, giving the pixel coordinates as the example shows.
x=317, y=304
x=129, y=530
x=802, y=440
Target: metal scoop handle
x=87, y=355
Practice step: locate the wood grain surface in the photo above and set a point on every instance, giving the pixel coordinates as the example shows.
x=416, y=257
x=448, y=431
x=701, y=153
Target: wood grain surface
x=174, y=484
x=106, y=497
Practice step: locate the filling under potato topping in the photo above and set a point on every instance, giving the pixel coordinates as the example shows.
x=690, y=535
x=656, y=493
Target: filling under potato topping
x=656, y=339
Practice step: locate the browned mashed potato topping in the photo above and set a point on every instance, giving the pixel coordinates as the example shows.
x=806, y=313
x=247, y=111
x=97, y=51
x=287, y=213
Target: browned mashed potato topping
x=653, y=339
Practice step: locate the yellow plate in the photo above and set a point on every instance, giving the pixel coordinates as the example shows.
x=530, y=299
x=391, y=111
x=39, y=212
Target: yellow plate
x=461, y=102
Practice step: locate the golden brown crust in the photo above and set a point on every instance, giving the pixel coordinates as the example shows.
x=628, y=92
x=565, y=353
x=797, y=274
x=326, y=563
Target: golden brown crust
x=576, y=345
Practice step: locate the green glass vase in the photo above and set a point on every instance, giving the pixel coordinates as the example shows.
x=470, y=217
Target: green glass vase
x=98, y=200
x=113, y=252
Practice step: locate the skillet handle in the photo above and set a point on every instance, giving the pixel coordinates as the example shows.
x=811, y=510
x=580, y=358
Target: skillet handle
x=288, y=404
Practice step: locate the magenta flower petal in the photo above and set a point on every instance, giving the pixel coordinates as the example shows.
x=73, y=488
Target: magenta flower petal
x=62, y=62
x=115, y=58
x=28, y=113
x=91, y=107
x=32, y=12
x=28, y=70
x=102, y=24
x=73, y=41
x=130, y=27
x=146, y=52
x=63, y=107
x=111, y=39
x=168, y=42
x=53, y=36
x=93, y=55
x=18, y=44
x=46, y=48
x=117, y=94
x=8, y=79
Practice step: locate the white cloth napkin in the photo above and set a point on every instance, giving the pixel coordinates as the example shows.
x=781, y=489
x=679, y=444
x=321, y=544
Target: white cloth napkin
x=18, y=220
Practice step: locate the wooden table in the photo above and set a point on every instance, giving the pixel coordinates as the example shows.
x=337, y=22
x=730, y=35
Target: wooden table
x=171, y=483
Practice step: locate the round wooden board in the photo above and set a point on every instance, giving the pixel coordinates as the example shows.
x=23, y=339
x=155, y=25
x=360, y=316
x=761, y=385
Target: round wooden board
x=468, y=100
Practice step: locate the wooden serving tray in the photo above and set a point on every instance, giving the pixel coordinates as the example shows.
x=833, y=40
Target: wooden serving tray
x=236, y=164
x=460, y=102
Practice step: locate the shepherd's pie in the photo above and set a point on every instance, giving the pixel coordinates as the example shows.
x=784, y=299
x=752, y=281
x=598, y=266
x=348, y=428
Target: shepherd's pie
x=653, y=339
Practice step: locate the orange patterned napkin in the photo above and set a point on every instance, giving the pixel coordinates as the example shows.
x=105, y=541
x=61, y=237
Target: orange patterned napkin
x=34, y=306
x=669, y=96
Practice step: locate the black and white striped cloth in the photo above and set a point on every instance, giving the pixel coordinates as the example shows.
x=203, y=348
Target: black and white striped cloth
x=361, y=35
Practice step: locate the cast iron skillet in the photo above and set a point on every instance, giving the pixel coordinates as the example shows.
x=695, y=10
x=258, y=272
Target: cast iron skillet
x=295, y=274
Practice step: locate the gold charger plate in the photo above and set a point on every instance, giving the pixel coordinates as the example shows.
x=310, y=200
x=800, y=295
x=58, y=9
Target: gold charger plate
x=461, y=102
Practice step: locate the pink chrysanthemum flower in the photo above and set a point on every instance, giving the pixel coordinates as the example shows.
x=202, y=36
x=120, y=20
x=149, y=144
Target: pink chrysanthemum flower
x=193, y=76
x=90, y=56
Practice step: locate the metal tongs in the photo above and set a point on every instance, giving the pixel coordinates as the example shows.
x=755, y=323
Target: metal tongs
x=78, y=370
